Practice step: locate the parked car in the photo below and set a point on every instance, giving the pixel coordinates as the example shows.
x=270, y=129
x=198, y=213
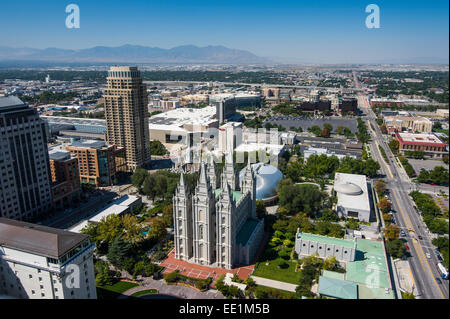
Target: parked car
x=420, y=237
x=438, y=280
x=428, y=255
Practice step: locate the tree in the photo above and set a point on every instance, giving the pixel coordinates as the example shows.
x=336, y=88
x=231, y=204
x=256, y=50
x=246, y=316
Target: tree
x=118, y=252
x=395, y=248
x=138, y=177
x=157, y=148
x=391, y=231
x=384, y=205
x=394, y=146
x=158, y=230
x=380, y=187
x=109, y=228
x=340, y=130
x=132, y=229
x=328, y=126
x=315, y=129
x=330, y=263
x=260, y=209
x=167, y=215
x=325, y=133
x=329, y=215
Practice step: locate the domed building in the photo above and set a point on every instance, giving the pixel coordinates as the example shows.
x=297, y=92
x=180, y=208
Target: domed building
x=352, y=195
x=267, y=178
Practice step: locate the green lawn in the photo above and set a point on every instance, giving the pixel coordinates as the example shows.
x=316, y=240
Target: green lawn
x=114, y=291
x=144, y=292
x=273, y=272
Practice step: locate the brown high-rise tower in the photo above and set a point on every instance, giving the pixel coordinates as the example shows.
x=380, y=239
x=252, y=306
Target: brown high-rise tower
x=126, y=115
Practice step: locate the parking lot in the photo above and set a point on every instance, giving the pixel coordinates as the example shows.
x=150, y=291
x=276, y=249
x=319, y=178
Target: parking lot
x=306, y=123
x=428, y=164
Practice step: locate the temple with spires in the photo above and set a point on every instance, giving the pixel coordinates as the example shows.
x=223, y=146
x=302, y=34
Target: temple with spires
x=216, y=224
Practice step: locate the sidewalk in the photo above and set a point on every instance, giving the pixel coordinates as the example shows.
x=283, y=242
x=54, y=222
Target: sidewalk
x=274, y=284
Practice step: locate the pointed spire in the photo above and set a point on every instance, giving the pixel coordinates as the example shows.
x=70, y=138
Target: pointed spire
x=182, y=179
x=203, y=178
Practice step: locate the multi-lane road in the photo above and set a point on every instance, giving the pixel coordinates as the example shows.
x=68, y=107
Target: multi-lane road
x=423, y=261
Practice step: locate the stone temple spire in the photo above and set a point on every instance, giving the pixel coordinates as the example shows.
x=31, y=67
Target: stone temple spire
x=212, y=172
x=231, y=172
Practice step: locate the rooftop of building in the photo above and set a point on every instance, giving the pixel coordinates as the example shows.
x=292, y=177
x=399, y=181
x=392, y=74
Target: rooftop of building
x=352, y=191
x=58, y=155
x=184, y=116
x=89, y=144
x=74, y=120
x=10, y=102
x=369, y=272
x=427, y=138
x=337, y=288
x=327, y=240
x=236, y=194
x=38, y=239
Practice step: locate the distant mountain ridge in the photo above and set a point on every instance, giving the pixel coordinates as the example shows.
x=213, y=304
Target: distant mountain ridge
x=135, y=53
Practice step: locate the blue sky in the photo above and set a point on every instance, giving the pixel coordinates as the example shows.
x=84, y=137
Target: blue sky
x=309, y=31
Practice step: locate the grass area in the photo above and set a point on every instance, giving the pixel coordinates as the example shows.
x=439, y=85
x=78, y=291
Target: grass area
x=272, y=271
x=115, y=290
x=144, y=292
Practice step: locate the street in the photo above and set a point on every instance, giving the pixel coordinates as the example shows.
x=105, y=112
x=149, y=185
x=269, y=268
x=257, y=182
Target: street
x=424, y=270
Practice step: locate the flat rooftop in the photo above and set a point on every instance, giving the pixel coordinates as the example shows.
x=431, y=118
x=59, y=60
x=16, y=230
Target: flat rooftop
x=351, y=190
x=419, y=138
x=184, y=116
x=89, y=144
x=37, y=239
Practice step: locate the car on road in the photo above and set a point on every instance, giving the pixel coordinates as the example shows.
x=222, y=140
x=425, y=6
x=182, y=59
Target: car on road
x=420, y=237
x=438, y=280
x=402, y=233
x=428, y=255
x=407, y=247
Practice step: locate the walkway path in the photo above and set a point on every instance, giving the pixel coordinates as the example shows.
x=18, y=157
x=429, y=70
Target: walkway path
x=176, y=291
x=274, y=284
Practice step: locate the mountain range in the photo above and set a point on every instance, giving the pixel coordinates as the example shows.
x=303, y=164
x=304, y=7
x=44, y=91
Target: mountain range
x=135, y=53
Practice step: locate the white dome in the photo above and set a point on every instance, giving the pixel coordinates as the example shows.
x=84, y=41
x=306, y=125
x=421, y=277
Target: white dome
x=348, y=188
x=267, y=178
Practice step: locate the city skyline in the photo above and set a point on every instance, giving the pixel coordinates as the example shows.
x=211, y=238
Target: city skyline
x=298, y=32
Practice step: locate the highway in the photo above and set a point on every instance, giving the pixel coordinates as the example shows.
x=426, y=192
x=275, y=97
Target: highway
x=424, y=270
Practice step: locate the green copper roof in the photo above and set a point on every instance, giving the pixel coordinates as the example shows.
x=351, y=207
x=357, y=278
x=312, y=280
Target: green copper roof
x=327, y=240
x=236, y=195
x=337, y=288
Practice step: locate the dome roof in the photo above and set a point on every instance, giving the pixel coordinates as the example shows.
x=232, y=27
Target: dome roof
x=267, y=178
x=348, y=188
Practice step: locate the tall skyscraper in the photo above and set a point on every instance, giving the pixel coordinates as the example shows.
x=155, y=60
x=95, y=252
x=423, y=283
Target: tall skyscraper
x=25, y=179
x=126, y=115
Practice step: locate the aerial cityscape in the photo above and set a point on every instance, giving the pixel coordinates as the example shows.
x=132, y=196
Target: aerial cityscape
x=221, y=156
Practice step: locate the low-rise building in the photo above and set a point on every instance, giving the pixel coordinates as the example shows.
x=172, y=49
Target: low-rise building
x=65, y=178
x=408, y=123
x=353, y=196
x=39, y=262
x=429, y=143
x=98, y=162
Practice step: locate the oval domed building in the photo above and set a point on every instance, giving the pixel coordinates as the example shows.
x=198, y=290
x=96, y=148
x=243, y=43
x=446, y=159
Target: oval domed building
x=267, y=178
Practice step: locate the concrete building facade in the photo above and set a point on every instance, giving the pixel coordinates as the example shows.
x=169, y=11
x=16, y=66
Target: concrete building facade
x=126, y=115
x=25, y=192
x=38, y=262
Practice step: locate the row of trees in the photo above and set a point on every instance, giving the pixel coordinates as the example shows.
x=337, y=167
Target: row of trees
x=319, y=167
x=438, y=176
x=431, y=212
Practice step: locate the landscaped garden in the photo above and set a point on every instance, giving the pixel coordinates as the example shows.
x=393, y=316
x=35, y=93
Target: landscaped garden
x=115, y=290
x=144, y=293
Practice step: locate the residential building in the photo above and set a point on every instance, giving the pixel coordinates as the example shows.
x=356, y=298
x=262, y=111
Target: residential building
x=98, y=162
x=216, y=224
x=126, y=115
x=352, y=196
x=429, y=143
x=65, y=178
x=39, y=262
x=25, y=192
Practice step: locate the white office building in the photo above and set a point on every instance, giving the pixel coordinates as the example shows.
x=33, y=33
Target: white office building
x=39, y=262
